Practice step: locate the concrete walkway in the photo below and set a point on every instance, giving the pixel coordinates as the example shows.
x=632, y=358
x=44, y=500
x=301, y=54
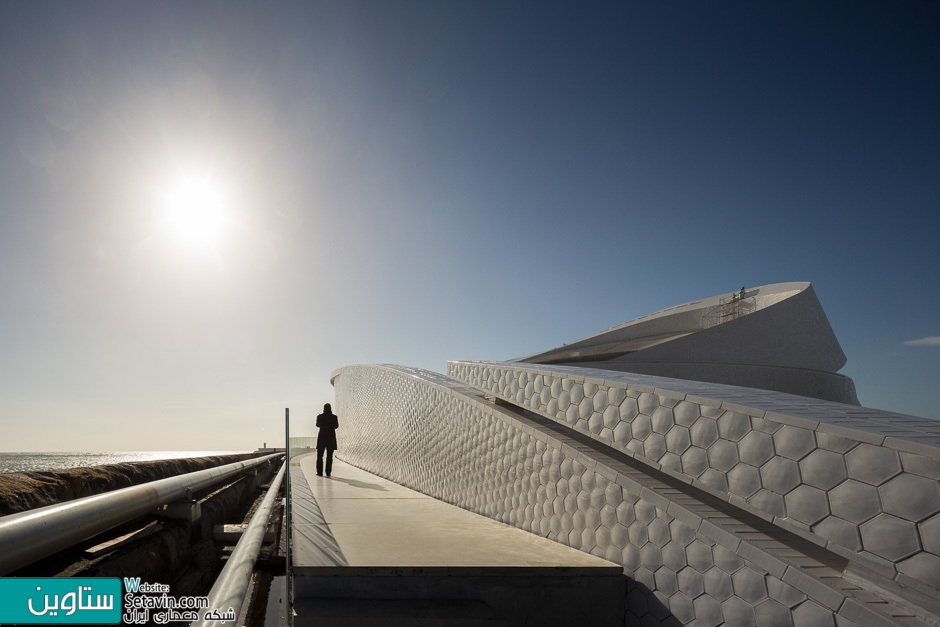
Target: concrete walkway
x=359, y=536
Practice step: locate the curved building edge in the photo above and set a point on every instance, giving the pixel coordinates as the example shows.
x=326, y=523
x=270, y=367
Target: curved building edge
x=774, y=337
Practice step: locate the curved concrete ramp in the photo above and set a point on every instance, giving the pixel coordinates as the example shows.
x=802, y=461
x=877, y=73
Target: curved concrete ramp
x=369, y=551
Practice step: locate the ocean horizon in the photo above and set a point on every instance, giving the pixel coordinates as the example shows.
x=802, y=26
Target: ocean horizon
x=38, y=461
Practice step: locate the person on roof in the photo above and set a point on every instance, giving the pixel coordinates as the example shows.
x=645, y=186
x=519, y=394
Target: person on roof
x=327, y=423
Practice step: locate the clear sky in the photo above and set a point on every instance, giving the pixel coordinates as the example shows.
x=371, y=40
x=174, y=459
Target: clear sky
x=412, y=182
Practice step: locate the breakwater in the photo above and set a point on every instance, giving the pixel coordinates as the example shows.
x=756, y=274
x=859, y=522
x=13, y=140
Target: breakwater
x=22, y=491
x=35, y=461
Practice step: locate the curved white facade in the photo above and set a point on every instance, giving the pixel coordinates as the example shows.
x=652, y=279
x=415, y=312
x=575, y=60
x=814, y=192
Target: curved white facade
x=773, y=337
x=724, y=504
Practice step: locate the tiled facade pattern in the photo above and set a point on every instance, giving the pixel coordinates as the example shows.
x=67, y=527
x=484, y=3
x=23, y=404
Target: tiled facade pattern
x=691, y=561
x=861, y=482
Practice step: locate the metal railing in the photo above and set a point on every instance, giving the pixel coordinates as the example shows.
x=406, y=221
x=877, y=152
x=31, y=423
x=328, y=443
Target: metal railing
x=229, y=590
x=32, y=535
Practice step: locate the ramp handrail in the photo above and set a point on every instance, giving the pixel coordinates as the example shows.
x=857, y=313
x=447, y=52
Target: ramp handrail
x=229, y=590
x=29, y=536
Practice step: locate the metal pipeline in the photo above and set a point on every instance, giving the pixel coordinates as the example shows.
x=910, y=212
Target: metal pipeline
x=32, y=535
x=229, y=590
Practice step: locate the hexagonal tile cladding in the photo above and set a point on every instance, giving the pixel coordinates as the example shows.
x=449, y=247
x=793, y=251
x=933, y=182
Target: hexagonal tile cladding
x=615, y=396
x=718, y=583
x=840, y=532
x=662, y=420
x=733, y=426
x=911, y=497
x=780, y=474
x=666, y=581
x=641, y=427
x=678, y=440
x=769, y=613
x=738, y=612
x=651, y=556
x=671, y=461
x=623, y=433
x=823, y=469
x=708, y=611
x=618, y=536
x=694, y=461
x=854, y=501
x=645, y=511
x=658, y=531
x=919, y=465
x=930, y=534
x=889, y=537
x=682, y=608
x=722, y=455
x=726, y=559
x=686, y=413
x=715, y=479
x=756, y=448
x=595, y=423
x=749, y=585
x=630, y=557
x=807, y=504
x=611, y=417
x=674, y=556
x=872, y=464
x=699, y=556
x=629, y=409
x=638, y=534
x=794, y=442
x=769, y=502
x=626, y=513
x=827, y=478
x=681, y=533
x=654, y=446
x=923, y=566
x=811, y=614
x=744, y=480
x=691, y=582
x=704, y=432
x=784, y=593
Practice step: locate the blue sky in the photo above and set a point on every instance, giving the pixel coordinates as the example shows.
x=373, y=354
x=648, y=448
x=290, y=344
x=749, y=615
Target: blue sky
x=412, y=182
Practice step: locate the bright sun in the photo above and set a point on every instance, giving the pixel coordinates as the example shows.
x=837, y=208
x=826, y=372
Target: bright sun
x=196, y=211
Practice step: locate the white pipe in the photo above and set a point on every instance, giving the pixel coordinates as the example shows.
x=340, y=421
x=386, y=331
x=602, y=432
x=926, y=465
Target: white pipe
x=229, y=590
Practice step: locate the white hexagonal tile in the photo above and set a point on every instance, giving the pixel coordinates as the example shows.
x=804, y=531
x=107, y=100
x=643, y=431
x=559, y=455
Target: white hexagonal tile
x=889, y=537
x=734, y=426
x=872, y=464
x=911, y=497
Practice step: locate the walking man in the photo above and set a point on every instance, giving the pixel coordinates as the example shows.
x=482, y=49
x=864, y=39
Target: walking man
x=327, y=423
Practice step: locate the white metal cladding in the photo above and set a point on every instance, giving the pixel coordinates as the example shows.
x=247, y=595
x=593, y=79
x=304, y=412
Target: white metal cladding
x=446, y=440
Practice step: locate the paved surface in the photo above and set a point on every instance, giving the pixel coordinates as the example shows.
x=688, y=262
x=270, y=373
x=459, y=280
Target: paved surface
x=367, y=551
x=356, y=519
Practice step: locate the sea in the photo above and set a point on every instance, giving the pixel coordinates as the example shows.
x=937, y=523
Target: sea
x=31, y=462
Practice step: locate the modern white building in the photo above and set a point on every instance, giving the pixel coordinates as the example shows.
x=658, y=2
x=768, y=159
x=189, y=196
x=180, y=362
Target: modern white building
x=711, y=449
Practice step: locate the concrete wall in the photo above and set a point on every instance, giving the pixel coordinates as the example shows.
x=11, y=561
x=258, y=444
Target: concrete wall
x=723, y=504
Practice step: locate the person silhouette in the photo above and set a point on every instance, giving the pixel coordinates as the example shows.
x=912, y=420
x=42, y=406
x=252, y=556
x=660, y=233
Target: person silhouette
x=327, y=423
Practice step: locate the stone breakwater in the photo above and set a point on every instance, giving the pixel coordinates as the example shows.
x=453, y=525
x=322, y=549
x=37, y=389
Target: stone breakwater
x=22, y=491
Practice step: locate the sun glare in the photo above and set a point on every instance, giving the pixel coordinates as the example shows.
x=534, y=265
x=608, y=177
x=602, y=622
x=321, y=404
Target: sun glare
x=196, y=211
